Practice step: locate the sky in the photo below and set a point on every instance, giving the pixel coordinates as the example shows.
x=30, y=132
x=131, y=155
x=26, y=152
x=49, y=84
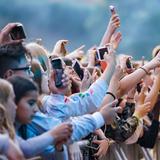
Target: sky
x=85, y=21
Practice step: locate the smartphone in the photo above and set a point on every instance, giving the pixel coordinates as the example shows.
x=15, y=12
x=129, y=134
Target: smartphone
x=128, y=63
x=100, y=52
x=139, y=87
x=67, y=61
x=143, y=59
x=112, y=9
x=17, y=32
x=57, y=65
x=78, y=69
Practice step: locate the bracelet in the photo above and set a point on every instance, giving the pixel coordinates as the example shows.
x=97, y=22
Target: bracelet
x=144, y=70
x=114, y=97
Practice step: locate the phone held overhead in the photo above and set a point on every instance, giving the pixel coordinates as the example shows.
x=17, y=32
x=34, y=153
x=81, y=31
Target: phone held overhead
x=18, y=32
x=59, y=70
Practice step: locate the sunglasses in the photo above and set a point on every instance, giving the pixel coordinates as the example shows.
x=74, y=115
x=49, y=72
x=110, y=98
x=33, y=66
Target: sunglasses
x=27, y=69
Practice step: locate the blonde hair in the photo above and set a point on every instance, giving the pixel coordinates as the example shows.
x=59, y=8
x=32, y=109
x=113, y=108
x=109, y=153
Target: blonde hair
x=5, y=92
x=37, y=72
x=40, y=53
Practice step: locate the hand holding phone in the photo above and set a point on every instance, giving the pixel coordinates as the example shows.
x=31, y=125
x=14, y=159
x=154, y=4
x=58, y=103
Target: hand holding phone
x=57, y=65
x=78, y=69
x=17, y=32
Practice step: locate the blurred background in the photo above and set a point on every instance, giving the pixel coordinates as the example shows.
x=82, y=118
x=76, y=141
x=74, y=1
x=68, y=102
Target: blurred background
x=85, y=21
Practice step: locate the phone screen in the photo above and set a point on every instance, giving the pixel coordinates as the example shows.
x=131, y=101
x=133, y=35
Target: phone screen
x=18, y=32
x=112, y=9
x=100, y=53
x=128, y=63
x=78, y=70
x=57, y=65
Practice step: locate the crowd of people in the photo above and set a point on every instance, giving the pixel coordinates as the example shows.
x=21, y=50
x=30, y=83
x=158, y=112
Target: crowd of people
x=60, y=105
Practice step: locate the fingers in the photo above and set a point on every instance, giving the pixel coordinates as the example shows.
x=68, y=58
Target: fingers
x=144, y=88
x=81, y=47
x=118, y=36
x=113, y=104
x=62, y=131
x=118, y=109
x=115, y=17
x=99, y=154
x=147, y=105
x=63, y=41
x=97, y=142
x=86, y=75
x=65, y=80
x=15, y=41
x=7, y=29
x=115, y=20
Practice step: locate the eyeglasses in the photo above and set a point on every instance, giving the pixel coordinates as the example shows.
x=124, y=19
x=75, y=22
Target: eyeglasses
x=27, y=69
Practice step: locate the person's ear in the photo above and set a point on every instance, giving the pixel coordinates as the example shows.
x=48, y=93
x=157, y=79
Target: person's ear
x=8, y=74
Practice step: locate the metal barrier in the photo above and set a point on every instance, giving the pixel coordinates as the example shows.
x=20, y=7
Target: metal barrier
x=126, y=152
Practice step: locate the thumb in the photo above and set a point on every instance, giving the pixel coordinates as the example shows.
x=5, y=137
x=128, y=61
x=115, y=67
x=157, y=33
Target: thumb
x=113, y=104
x=64, y=42
x=118, y=109
x=96, y=142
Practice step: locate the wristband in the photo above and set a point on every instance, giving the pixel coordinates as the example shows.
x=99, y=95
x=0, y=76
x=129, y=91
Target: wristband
x=144, y=70
x=114, y=97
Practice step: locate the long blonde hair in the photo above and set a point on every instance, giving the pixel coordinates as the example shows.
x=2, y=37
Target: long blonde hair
x=5, y=127
x=5, y=92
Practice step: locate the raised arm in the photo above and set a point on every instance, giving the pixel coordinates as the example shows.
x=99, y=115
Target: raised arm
x=111, y=63
x=113, y=86
x=132, y=79
x=113, y=24
x=153, y=94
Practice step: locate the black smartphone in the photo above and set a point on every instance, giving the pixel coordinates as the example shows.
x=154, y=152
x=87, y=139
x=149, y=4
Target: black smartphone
x=57, y=65
x=100, y=52
x=139, y=87
x=112, y=9
x=78, y=69
x=128, y=63
x=17, y=32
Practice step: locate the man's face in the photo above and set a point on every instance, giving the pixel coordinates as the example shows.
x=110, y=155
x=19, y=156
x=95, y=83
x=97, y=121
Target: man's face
x=23, y=68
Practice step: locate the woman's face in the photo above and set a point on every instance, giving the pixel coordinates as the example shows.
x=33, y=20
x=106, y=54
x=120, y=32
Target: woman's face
x=27, y=107
x=11, y=107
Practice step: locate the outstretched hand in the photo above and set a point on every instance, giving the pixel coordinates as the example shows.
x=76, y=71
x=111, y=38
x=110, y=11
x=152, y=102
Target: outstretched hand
x=59, y=48
x=109, y=112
